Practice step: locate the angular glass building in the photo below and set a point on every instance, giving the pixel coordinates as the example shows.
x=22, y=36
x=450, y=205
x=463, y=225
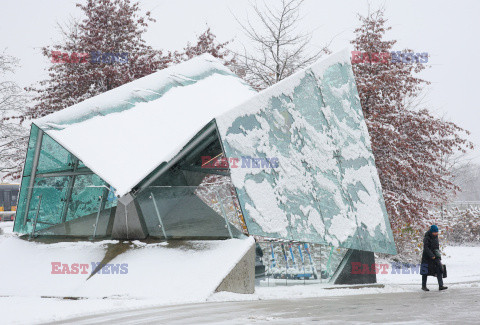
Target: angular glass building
x=192, y=152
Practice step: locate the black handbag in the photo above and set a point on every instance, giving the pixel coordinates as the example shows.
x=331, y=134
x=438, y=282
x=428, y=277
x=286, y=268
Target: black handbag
x=444, y=269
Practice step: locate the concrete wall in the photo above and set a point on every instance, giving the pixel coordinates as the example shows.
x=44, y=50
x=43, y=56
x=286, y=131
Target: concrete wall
x=242, y=277
x=129, y=222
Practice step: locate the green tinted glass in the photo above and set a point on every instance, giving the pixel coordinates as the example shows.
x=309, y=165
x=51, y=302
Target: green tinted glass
x=61, y=200
x=30, y=150
x=53, y=157
x=306, y=171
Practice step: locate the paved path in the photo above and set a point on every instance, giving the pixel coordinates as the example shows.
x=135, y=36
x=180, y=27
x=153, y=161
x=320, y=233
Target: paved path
x=453, y=306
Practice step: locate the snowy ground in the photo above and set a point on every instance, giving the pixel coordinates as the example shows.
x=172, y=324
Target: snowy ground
x=6, y=227
x=169, y=273
x=454, y=306
x=267, y=304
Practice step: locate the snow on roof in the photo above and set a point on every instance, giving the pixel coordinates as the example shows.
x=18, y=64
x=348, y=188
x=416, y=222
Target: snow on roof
x=124, y=134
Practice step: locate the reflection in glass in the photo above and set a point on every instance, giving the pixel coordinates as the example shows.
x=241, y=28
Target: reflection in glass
x=293, y=263
x=177, y=212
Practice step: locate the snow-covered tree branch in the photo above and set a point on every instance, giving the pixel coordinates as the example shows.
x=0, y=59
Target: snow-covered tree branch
x=13, y=136
x=408, y=142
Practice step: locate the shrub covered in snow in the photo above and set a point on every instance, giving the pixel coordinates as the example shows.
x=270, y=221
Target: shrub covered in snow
x=457, y=226
x=462, y=226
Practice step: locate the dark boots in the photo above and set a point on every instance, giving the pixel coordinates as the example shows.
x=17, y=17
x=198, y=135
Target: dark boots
x=439, y=288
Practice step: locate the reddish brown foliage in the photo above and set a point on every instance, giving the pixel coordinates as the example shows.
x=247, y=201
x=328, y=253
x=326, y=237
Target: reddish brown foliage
x=409, y=144
x=109, y=26
x=206, y=43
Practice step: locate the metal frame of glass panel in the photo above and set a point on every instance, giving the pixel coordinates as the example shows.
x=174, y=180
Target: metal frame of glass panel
x=175, y=184
x=71, y=192
x=51, y=173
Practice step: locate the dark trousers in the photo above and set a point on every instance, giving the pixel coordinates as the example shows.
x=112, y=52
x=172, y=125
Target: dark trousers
x=438, y=270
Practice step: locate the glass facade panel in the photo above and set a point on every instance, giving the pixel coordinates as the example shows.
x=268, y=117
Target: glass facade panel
x=305, y=167
x=185, y=202
x=295, y=263
x=177, y=212
x=47, y=200
x=30, y=150
x=54, y=157
x=86, y=196
x=218, y=193
x=66, y=205
x=91, y=209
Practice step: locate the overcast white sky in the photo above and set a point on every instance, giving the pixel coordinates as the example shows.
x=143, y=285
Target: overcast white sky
x=448, y=30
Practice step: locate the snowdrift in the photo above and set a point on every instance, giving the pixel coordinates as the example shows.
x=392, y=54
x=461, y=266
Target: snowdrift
x=167, y=272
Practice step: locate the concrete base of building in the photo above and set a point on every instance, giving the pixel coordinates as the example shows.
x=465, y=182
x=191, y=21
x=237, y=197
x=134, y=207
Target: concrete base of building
x=241, y=278
x=129, y=222
x=351, y=271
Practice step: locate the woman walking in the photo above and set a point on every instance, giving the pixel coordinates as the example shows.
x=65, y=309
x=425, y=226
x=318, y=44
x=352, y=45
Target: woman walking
x=432, y=259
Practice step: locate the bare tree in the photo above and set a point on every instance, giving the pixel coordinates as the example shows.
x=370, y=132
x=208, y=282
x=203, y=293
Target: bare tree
x=279, y=49
x=13, y=136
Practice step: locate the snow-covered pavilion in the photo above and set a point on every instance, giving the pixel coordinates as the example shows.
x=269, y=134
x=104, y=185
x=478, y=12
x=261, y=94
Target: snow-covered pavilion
x=192, y=151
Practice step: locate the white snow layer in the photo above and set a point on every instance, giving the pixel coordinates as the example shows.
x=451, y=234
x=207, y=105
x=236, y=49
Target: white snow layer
x=104, y=102
x=168, y=273
x=124, y=147
x=461, y=261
